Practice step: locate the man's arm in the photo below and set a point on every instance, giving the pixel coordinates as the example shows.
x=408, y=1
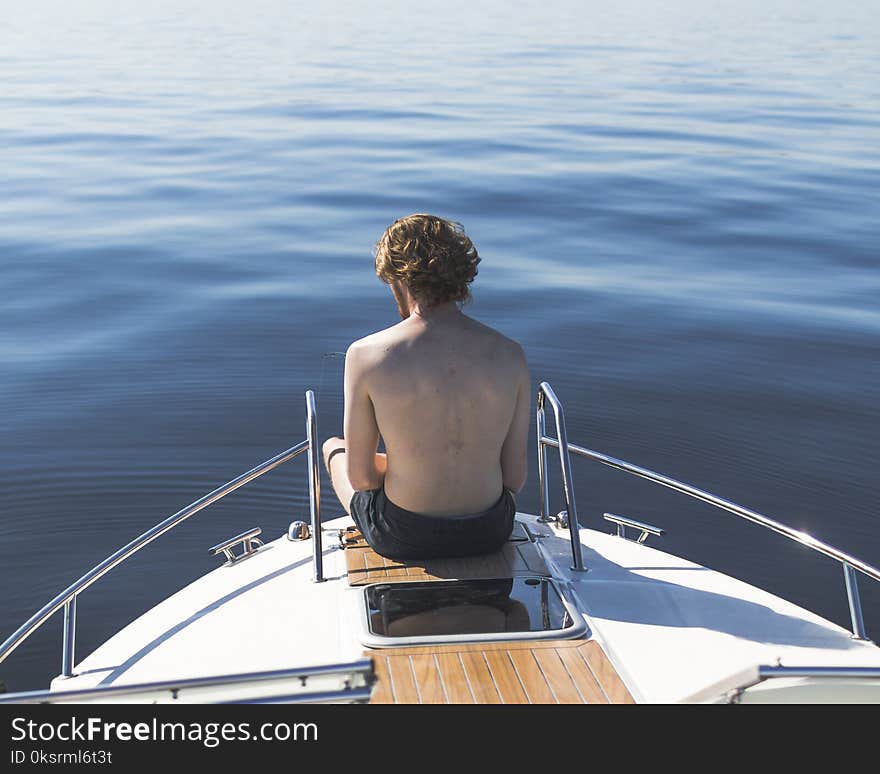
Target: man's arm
x=514, y=451
x=359, y=423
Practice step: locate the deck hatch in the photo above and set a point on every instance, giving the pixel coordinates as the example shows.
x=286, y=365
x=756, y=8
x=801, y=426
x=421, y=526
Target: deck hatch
x=467, y=610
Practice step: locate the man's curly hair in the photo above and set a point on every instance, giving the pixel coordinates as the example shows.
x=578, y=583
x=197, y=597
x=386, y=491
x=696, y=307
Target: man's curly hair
x=433, y=257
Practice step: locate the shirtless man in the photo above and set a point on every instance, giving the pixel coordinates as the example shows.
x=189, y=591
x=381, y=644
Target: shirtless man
x=450, y=398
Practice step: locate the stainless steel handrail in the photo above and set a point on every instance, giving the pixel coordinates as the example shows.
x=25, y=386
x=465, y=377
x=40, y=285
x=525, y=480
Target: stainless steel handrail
x=353, y=672
x=545, y=391
x=314, y=486
x=67, y=598
x=763, y=673
x=849, y=562
x=766, y=672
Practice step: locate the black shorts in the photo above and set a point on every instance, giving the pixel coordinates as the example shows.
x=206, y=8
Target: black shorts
x=400, y=534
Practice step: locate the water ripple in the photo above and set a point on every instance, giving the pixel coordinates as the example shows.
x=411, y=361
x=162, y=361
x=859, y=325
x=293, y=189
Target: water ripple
x=675, y=212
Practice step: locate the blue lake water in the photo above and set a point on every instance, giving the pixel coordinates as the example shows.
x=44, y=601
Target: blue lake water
x=675, y=204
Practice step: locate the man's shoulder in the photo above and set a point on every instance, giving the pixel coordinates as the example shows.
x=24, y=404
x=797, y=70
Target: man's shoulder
x=506, y=345
x=511, y=346
x=373, y=340
x=371, y=347
x=375, y=348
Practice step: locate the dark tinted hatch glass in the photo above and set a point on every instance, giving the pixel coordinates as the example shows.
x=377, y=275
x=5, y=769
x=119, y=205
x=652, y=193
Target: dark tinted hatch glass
x=465, y=607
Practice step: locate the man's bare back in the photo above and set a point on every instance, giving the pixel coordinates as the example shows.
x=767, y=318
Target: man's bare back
x=449, y=397
x=444, y=390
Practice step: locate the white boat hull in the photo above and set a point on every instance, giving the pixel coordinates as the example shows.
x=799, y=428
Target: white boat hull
x=674, y=630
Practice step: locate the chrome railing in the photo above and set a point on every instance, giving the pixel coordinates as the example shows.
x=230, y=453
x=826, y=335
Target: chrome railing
x=850, y=563
x=545, y=391
x=829, y=673
x=314, y=485
x=734, y=688
x=349, y=682
x=67, y=598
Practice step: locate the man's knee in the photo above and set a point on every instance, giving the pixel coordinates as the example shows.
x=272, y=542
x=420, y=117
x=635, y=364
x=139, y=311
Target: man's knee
x=329, y=446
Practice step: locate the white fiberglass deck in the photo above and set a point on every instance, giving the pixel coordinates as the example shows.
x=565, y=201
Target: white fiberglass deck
x=670, y=627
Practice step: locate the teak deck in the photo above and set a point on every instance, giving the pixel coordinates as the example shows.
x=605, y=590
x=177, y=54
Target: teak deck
x=516, y=672
x=537, y=672
x=366, y=566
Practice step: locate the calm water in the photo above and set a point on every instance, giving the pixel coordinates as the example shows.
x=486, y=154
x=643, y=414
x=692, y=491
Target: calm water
x=676, y=210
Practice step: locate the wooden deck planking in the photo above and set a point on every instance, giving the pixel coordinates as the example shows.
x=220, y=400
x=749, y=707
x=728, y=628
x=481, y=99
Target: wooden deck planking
x=455, y=682
x=531, y=677
x=374, y=563
x=479, y=678
x=383, y=693
x=504, y=676
x=514, y=672
x=606, y=675
x=560, y=682
x=582, y=677
x=394, y=570
x=427, y=675
x=366, y=566
x=403, y=683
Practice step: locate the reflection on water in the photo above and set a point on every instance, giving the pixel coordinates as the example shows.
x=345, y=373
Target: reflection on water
x=674, y=206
